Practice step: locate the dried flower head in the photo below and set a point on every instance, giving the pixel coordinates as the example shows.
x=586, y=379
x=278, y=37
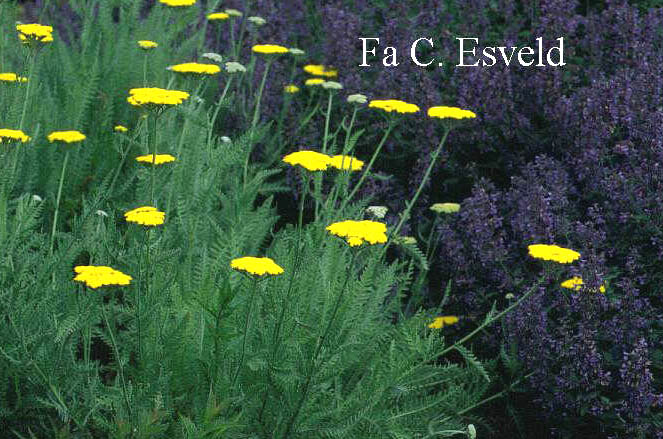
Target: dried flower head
x=332, y=85
x=291, y=88
x=445, y=207
x=309, y=160
x=378, y=212
x=235, y=67
x=233, y=12
x=95, y=276
x=256, y=266
x=357, y=98
x=213, y=56
x=296, y=52
x=147, y=216
x=257, y=21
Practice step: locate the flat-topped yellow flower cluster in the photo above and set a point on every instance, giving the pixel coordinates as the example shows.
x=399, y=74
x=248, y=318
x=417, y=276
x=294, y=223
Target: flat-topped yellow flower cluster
x=178, y=3
x=357, y=233
x=146, y=96
x=390, y=105
x=35, y=32
x=450, y=113
x=158, y=159
x=196, y=68
x=66, y=136
x=95, y=276
x=268, y=49
x=553, y=253
x=320, y=70
x=12, y=77
x=146, y=215
x=147, y=44
x=317, y=161
x=7, y=135
x=256, y=266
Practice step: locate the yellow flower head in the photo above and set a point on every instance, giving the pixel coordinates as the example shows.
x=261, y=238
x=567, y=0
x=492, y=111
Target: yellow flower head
x=576, y=282
x=176, y=3
x=196, y=68
x=291, y=88
x=553, y=253
x=269, y=49
x=152, y=96
x=450, y=113
x=159, y=159
x=314, y=81
x=12, y=77
x=35, y=33
x=147, y=216
x=390, y=105
x=218, y=16
x=147, y=44
x=309, y=160
x=359, y=232
x=256, y=266
x=120, y=129
x=441, y=322
x=7, y=135
x=445, y=207
x=66, y=136
x=320, y=70
x=346, y=162
x=95, y=276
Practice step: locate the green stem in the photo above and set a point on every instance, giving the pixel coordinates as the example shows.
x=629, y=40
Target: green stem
x=390, y=127
x=410, y=204
x=319, y=347
x=344, y=177
x=318, y=176
x=57, y=202
x=119, y=361
x=242, y=29
x=254, y=122
x=152, y=148
x=486, y=400
x=145, y=70
x=31, y=65
x=246, y=330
